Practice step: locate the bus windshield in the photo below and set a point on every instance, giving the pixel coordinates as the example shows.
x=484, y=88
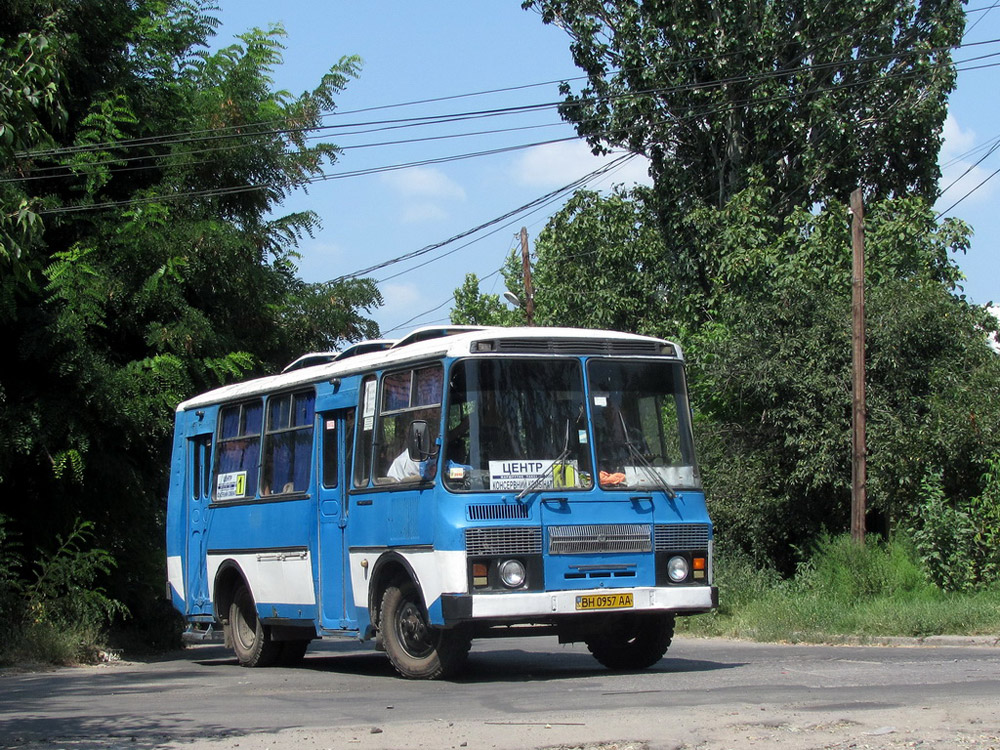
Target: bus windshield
x=517, y=425
x=642, y=426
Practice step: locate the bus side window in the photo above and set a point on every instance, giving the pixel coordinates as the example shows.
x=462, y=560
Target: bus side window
x=201, y=469
x=288, y=443
x=238, y=450
x=363, y=446
x=408, y=396
x=329, y=451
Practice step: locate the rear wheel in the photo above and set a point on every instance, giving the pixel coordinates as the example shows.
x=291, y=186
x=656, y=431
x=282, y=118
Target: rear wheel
x=416, y=649
x=249, y=637
x=633, y=641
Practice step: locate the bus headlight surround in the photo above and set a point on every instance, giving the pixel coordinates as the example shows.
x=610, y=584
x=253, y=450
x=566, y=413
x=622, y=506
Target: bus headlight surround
x=512, y=573
x=677, y=568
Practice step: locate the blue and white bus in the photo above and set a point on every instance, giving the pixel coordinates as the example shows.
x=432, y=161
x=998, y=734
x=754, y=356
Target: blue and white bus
x=458, y=483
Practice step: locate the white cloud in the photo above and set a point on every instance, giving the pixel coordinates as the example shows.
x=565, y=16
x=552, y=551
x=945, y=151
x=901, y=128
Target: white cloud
x=557, y=164
x=402, y=301
x=994, y=339
x=956, y=140
x=414, y=211
x=959, y=173
x=424, y=182
x=425, y=193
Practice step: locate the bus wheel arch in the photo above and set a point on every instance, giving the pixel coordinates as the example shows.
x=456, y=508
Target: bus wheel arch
x=236, y=609
x=228, y=579
x=391, y=569
x=417, y=649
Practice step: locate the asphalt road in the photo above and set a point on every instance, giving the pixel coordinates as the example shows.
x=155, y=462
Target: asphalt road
x=519, y=694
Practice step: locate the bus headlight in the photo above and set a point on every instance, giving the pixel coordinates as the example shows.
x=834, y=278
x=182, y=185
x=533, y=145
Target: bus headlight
x=677, y=569
x=512, y=573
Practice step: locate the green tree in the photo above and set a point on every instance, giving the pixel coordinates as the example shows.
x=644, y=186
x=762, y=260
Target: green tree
x=771, y=378
x=153, y=261
x=770, y=367
x=809, y=99
x=820, y=98
x=476, y=309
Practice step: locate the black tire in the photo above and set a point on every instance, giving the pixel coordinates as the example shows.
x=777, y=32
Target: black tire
x=633, y=641
x=251, y=641
x=416, y=649
x=292, y=652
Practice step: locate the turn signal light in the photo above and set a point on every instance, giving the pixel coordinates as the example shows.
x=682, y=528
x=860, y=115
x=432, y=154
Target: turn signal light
x=479, y=575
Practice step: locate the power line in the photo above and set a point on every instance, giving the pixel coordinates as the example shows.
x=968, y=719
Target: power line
x=215, y=192
x=246, y=130
x=517, y=211
x=942, y=213
x=517, y=216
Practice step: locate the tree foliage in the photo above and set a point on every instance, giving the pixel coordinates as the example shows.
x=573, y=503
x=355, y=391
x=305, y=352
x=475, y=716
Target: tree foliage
x=759, y=120
x=477, y=309
x=145, y=256
x=819, y=97
x=810, y=99
x=770, y=367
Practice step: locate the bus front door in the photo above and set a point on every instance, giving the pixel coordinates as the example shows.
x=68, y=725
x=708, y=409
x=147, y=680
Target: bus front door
x=334, y=511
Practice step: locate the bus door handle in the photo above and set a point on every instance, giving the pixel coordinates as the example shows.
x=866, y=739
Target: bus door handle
x=556, y=503
x=642, y=502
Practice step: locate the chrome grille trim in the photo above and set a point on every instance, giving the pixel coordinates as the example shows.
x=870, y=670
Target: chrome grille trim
x=588, y=538
x=681, y=536
x=503, y=540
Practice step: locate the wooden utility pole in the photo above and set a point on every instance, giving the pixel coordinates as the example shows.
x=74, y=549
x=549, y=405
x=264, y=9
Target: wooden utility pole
x=529, y=292
x=859, y=452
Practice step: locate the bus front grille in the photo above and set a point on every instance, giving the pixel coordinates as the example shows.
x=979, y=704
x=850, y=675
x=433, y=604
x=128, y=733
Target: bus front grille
x=683, y=536
x=589, y=538
x=503, y=541
x=497, y=512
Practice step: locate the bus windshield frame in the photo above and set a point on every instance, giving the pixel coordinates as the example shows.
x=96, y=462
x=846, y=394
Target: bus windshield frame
x=516, y=422
x=534, y=423
x=642, y=425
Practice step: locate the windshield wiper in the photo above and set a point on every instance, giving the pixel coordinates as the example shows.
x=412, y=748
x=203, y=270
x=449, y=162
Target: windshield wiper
x=647, y=468
x=550, y=470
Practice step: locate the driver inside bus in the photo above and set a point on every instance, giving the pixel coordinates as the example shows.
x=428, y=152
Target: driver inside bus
x=404, y=468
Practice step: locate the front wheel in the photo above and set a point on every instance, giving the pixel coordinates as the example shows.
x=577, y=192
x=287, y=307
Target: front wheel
x=416, y=649
x=633, y=641
x=250, y=639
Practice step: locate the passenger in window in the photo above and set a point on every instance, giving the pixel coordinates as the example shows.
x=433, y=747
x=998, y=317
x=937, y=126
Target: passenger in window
x=403, y=468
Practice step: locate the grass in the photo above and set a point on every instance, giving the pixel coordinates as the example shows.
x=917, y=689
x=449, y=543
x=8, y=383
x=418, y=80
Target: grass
x=843, y=590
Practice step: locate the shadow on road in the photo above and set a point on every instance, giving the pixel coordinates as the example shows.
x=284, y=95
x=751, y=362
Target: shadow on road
x=494, y=665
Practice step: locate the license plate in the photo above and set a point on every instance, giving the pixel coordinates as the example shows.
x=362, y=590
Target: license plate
x=604, y=601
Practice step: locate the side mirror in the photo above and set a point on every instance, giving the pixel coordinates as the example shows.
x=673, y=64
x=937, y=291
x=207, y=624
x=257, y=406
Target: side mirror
x=418, y=441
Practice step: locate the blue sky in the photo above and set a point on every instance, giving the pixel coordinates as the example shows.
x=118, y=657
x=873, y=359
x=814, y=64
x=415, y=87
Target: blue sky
x=451, y=48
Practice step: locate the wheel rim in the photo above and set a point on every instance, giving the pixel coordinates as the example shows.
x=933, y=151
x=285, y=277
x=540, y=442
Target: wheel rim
x=246, y=632
x=412, y=630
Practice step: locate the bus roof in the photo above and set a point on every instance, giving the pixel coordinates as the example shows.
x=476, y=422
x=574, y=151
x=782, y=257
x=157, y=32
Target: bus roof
x=431, y=342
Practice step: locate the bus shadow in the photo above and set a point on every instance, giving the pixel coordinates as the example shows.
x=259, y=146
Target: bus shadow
x=493, y=665
x=516, y=665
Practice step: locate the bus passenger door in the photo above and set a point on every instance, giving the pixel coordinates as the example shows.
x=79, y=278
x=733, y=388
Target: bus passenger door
x=198, y=493
x=337, y=430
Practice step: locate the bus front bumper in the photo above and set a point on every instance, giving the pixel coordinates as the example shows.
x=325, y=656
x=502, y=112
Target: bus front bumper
x=546, y=604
